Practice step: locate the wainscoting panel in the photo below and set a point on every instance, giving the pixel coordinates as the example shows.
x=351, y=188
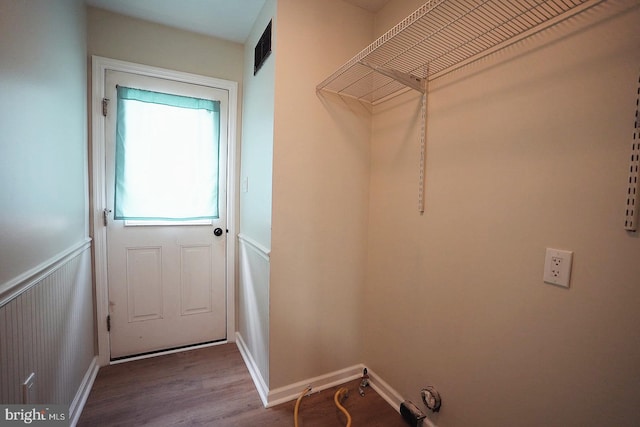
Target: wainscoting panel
x=253, y=304
x=48, y=330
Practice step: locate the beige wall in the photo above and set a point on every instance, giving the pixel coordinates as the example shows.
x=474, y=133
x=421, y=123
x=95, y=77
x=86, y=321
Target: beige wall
x=527, y=149
x=120, y=37
x=320, y=194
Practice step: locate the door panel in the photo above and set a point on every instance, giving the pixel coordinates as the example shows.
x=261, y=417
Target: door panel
x=144, y=283
x=166, y=279
x=195, y=275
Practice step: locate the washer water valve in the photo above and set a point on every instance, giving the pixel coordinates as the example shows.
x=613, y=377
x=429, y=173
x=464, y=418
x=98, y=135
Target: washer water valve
x=431, y=398
x=364, y=383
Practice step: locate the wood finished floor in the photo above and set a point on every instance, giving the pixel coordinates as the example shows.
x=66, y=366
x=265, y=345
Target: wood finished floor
x=212, y=387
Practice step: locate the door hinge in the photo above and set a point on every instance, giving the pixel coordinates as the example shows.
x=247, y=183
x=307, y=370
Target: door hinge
x=105, y=105
x=105, y=216
x=109, y=323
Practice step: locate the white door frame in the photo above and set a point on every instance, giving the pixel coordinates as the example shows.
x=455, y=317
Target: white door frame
x=98, y=198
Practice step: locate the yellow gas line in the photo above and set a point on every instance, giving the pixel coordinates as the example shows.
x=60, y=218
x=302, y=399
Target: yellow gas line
x=337, y=398
x=295, y=411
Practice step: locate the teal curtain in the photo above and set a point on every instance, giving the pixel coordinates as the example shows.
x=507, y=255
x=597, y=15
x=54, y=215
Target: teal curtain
x=167, y=156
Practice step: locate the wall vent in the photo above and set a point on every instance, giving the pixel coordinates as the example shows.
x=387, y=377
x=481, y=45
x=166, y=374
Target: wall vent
x=632, y=208
x=262, y=50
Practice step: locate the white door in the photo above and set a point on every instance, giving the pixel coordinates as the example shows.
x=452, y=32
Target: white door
x=166, y=270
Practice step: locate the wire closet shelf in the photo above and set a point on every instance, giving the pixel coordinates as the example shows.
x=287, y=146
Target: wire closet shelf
x=439, y=37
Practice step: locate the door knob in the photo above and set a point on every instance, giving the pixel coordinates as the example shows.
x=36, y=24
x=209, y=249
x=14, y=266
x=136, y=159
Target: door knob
x=218, y=231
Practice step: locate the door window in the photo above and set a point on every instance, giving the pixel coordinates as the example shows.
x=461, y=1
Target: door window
x=167, y=157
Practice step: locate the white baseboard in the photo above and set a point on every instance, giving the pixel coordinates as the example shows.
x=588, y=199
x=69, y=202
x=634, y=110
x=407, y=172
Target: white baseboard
x=83, y=392
x=292, y=392
x=392, y=397
x=385, y=391
x=322, y=382
x=261, y=385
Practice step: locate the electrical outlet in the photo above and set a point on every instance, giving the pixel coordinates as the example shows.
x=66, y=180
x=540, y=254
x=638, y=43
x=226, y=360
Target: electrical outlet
x=557, y=267
x=29, y=389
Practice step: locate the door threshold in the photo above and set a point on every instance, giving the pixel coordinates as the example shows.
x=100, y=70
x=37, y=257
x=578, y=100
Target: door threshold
x=156, y=353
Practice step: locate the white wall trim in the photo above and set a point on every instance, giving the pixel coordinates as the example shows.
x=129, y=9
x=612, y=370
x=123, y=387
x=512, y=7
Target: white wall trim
x=22, y=283
x=385, y=391
x=291, y=392
x=258, y=381
x=261, y=250
x=75, y=410
x=319, y=383
x=99, y=66
x=391, y=396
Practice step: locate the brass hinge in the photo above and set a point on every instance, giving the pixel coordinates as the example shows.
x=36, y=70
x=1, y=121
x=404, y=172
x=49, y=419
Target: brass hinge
x=105, y=105
x=109, y=323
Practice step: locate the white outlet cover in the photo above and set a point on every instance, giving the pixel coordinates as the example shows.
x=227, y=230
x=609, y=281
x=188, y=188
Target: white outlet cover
x=28, y=389
x=557, y=267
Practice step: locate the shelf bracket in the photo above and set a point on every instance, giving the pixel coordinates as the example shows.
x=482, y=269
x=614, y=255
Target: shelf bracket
x=421, y=85
x=633, y=189
x=414, y=82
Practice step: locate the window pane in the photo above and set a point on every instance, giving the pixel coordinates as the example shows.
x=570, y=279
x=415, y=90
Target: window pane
x=167, y=156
